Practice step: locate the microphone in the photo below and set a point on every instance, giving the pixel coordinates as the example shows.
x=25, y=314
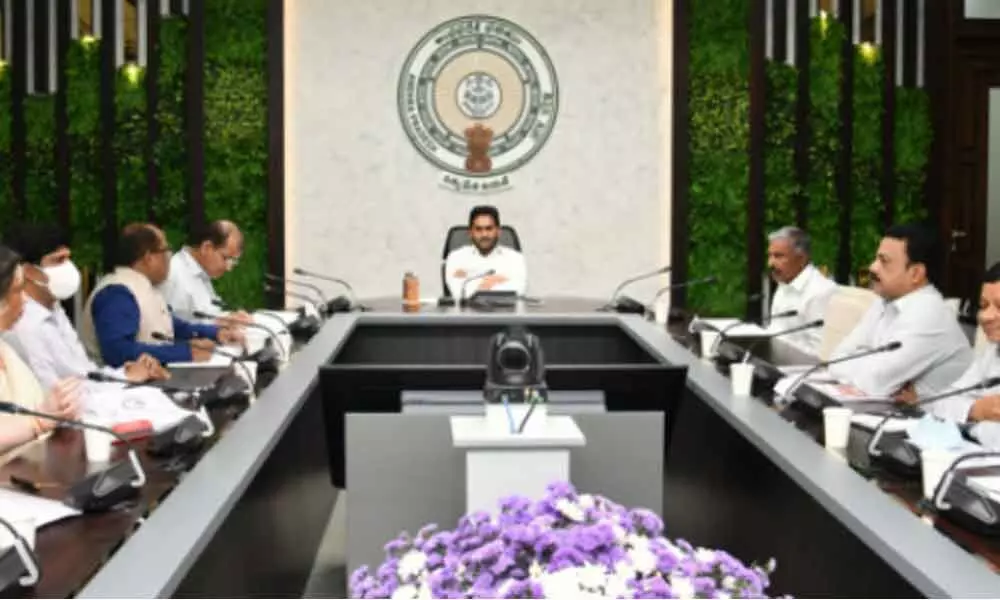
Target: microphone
x=912, y=409
x=246, y=370
x=682, y=284
x=467, y=280
x=100, y=377
x=627, y=304
x=270, y=334
x=103, y=489
x=796, y=329
x=19, y=562
x=321, y=277
x=787, y=396
x=782, y=315
x=302, y=284
x=218, y=303
x=303, y=297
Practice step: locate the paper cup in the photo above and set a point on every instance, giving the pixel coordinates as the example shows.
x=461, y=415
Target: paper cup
x=98, y=445
x=741, y=377
x=24, y=526
x=708, y=340
x=836, y=426
x=933, y=464
x=661, y=311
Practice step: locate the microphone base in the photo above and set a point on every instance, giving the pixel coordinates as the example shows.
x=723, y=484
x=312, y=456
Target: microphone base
x=105, y=489
x=12, y=569
x=182, y=438
x=625, y=305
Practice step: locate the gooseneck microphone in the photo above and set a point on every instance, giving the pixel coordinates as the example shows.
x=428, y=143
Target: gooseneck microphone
x=17, y=409
x=804, y=327
x=256, y=326
x=321, y=309
x=626, y=304
x=100, y=377
x=782, y=315
x=470, y=279
x=302, y=284
x=337, y=280
x=790, y=392
x=25, y=569
x=910, y=409
x=681, y=284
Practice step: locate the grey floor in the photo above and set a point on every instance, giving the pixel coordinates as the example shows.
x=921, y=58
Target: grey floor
x=329, y=573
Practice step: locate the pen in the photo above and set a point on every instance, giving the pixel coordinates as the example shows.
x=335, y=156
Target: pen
x=27, y=485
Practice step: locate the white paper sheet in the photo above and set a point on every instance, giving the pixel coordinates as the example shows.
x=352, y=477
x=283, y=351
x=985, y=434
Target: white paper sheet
x=18, y=505
x=738, y=330
x=133, y=404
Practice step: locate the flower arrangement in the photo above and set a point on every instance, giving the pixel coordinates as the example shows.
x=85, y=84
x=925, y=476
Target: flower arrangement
x=566, y=545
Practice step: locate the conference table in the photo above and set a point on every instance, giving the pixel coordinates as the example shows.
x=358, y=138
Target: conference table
x=247, y=517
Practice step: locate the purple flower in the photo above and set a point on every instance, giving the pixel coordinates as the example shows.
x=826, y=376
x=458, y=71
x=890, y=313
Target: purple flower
x=646, y=522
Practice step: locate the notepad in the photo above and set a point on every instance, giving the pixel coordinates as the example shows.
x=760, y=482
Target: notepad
x=18, y=505
x=735, y=328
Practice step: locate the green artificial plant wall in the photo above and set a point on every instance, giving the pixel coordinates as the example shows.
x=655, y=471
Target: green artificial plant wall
x=129, y=140
x=83, y=106
x=236, y=136
x=170, y=205
x=719, y=104
x=719, y=126
x=40, y=163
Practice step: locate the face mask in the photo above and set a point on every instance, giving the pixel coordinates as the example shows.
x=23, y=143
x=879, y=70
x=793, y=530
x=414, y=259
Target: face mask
x=64, y=280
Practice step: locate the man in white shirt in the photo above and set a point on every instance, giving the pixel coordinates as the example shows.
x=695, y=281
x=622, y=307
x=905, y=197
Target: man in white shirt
x=801, y=288
x=933, y=350
x=981, y=408
x=484, y=254
x=43, y=336
x=213, y=250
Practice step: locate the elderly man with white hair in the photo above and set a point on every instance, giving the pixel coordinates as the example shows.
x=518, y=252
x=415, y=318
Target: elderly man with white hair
x=801, y=287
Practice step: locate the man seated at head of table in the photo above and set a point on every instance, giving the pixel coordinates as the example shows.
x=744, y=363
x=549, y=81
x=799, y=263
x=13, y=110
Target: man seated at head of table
x=126, y=313
x=933, y=349
x=44, y=336
x=979, y=409
x=484, y=254
x=801, y=287
x=18, y=384
x=213, y=249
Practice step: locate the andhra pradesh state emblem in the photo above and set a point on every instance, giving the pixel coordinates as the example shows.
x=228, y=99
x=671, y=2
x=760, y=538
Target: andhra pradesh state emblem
x=478, y=98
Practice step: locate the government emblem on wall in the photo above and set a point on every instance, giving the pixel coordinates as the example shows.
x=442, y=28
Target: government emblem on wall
x=478, y=98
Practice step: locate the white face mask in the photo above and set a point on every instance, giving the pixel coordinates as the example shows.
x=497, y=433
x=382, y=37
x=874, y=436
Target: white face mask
x=64, y=280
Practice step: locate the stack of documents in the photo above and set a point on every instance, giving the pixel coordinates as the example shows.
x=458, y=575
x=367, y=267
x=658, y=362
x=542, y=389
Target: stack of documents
x=738, y=328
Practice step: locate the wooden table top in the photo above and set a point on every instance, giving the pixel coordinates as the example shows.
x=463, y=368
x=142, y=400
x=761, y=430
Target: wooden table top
x=71, y=551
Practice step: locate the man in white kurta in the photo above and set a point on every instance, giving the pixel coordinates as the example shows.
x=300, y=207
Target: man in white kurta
x=801, y=288
x=465, y=267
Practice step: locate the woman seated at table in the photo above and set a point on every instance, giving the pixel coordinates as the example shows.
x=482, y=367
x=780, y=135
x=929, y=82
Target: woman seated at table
x=18, y=384
x=980, y=409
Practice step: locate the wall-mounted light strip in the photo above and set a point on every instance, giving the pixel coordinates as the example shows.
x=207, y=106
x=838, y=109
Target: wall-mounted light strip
x=53, y=51
x=878, y=23
x=813, y=8
x=29, y=43
x=74, y=20
x=142, y=34
x=921, y=18
x=856, y=21
x=790, y=32
x=900, y=33
x=164, y=8
x=769, y=29
x=96, y=12
x=120, y=33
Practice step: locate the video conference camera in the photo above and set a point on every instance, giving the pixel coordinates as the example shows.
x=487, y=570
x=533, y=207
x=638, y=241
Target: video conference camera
x=515, y=367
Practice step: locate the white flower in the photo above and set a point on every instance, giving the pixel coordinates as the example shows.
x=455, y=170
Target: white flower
x=569, y=510
x=586, y=502
x=405, y=592
x=535, y=570
x=729, y=582
x=561, y=584
x=412, y=564
x=704, y=555
x=424, y=592
x=642, y=560
x=673, y=550
x=638, y=542
x=592, y=576
x=682, y=587
x=619, y=533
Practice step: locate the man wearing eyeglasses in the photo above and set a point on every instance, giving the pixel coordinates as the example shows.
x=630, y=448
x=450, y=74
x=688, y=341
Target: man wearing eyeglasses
x=213, y=249
x=127, y=316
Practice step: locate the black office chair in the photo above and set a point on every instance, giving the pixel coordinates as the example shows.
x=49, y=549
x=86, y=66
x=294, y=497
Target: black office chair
x=458, y=236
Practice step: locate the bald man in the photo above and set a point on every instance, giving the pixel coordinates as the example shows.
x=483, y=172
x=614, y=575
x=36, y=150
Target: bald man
x=213, y=249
